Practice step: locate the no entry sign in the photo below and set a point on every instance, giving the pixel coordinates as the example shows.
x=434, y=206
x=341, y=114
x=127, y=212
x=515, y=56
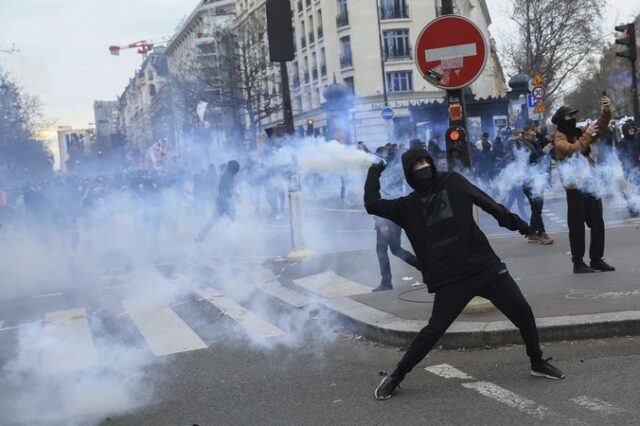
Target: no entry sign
x=451, y=52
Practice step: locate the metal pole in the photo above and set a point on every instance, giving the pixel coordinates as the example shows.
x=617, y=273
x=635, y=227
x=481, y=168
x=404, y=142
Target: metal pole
x=634, y=93
x=382, y=57
x=287, y=110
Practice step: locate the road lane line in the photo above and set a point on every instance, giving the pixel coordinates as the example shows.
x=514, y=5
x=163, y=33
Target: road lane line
x=165, y=332
x=252, y=323
x=596, y=405
x=448, y=372
x=67, y=343
x=506, y=397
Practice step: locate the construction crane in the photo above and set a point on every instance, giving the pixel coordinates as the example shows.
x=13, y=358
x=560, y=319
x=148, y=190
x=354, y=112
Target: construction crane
x=143, y=46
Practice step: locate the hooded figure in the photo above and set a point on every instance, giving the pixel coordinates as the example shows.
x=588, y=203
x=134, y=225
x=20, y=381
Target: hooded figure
x=454, y=255
x=582, y=207
x=628, y=147
x=224, y=200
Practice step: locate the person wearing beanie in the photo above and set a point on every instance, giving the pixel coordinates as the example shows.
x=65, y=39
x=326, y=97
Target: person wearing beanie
x=455, y=258
x=582, y=207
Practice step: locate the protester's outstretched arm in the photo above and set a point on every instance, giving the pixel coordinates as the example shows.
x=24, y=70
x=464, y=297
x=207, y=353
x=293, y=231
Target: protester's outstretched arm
x=505, y=218
x=373, y=201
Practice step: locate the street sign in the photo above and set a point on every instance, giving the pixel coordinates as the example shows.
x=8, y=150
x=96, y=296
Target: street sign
x=538, y=92
x=531, y=101
x=537, y=80
x=539, y=108
x=387, y=113
x=451, y=52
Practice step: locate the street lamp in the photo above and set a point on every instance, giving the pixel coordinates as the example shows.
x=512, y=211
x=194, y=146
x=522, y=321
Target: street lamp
x=519, y=85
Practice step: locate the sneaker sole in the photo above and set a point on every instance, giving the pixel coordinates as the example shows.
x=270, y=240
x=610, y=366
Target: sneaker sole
x=546, y=376
x=375, y=393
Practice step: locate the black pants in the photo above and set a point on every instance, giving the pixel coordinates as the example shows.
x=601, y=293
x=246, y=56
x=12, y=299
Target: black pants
x=392, y=241
x=450, y=300
x=584, y=208
x=537, y=203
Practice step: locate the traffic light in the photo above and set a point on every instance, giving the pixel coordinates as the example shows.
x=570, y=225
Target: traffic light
x=458, y=152
x=309, y=127
x=628, y=39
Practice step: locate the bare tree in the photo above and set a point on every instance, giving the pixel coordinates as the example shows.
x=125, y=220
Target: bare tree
x=21, y=154
x=232, y=74
x=556, y=38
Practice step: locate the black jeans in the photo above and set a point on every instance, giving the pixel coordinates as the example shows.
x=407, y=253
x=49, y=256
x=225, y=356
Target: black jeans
x=584, y=208
x=450, y=300
x=391, y=240
x=537, y=203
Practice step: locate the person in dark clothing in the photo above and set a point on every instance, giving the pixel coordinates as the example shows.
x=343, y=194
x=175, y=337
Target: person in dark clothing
x=582, y=207
x=628, y=149
x=537, y=154
x=388, y=234
x=455, y=258
x=225, y=199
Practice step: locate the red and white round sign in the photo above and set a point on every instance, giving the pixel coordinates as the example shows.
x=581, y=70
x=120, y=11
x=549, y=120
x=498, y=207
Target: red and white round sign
x=451, y=52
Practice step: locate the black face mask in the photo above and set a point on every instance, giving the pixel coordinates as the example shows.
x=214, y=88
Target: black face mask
x=423, y=179
x=568, y=127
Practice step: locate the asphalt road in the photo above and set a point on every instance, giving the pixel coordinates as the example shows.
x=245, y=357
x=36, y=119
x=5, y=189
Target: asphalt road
x=314, y=373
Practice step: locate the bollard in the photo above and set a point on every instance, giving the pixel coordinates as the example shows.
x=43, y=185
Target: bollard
x=296, y=214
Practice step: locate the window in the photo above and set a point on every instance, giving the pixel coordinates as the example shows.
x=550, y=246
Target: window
x=345, y=48
x=323, y=62
x=393, y=9
x=399, y=81
x=150, y=76
x=319, y=24
x=312, y=35
x=342, y=19
x=152, y=90
x=350, y=83
x=396, y=44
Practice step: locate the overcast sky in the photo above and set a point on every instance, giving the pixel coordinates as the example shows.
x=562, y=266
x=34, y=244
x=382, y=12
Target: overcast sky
x=64, y=57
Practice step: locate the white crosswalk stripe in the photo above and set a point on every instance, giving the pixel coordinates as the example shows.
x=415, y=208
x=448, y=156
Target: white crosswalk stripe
x=329, y=284
x=252, y=323
x=448, y=372
x=164, y=331
x=597, y=405
x=511, y=399
x=74, y=348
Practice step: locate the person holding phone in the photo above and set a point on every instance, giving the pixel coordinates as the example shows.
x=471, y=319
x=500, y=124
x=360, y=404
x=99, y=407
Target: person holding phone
x=582, y=207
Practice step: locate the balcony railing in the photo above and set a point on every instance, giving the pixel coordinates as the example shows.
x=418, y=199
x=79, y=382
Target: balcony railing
x=396, y=11
x=398, y=54
x=323, y=70
x=320, y=33
x=312, y=37
x=342, y=20
x=346, y=60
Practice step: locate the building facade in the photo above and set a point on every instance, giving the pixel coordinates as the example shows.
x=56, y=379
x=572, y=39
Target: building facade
x=106, y=119
x=73, y=144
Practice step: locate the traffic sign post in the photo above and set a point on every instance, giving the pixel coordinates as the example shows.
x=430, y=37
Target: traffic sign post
x=451, y=53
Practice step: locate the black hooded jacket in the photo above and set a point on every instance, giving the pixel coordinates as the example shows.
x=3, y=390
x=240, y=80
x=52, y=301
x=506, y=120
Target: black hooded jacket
x=447, y=241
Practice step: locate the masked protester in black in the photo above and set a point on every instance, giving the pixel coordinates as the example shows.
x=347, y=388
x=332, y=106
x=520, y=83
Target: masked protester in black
x=455, y=258
x=225, y=199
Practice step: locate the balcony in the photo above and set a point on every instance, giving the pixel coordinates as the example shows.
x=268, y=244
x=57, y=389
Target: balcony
x=312, y=37
x=346, y=60
x=397, y=54
x=320, y=33
x=342, y=20
x=396, y=11
x=323, y=70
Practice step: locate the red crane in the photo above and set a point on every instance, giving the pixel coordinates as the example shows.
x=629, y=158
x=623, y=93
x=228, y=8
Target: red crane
x=143, y=46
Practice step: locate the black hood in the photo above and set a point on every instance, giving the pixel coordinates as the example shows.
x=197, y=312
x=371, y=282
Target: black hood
x=626, y=128
x=233, y=167
x=410, y=157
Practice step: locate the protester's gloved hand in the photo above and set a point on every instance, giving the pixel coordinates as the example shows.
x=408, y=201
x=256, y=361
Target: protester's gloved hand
x=379, y=165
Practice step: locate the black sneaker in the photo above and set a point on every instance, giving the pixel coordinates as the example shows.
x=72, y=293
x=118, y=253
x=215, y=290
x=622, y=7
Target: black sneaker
x=582, y=268
x=542, y=368
x=386, y=388
x=601, y=265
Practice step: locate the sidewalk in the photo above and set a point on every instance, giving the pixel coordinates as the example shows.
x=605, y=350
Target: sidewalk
x=566, y=306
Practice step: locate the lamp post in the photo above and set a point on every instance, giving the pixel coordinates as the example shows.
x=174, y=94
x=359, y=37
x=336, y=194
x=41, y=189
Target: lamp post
x=519, y=85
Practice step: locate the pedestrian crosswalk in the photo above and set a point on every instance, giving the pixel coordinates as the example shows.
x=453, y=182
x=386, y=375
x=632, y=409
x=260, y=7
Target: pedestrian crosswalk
x=527, y=405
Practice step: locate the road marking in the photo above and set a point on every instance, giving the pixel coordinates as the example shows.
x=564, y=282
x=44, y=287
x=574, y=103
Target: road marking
x=506, y=397
x=252, y=323
x=38, y=296
x=165, y=332
x=596, y=405
x=68, y=345
x=448, y=372
x=269, y=284
x=329, y=284
x=551, y=214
